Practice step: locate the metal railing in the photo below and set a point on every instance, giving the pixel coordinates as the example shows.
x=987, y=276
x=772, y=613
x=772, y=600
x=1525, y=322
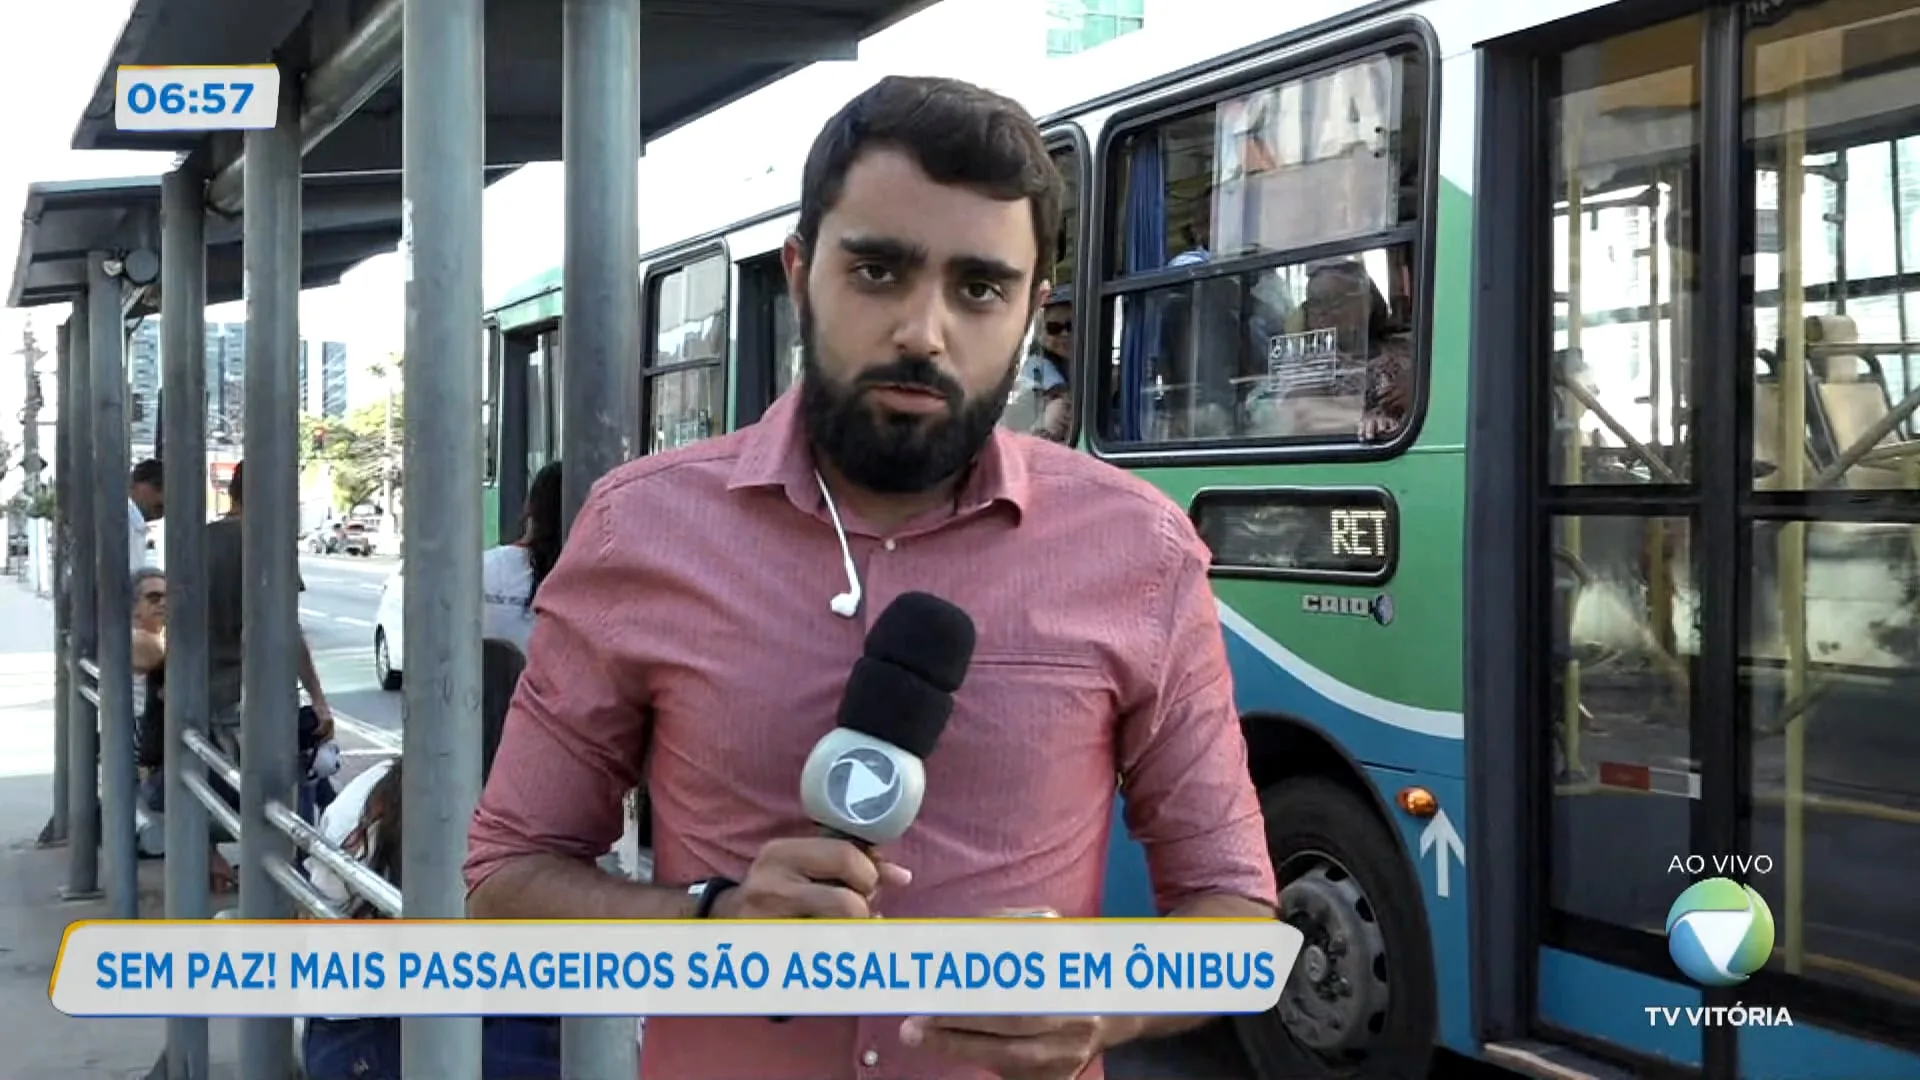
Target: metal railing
x=359, y=880
x=90, y=685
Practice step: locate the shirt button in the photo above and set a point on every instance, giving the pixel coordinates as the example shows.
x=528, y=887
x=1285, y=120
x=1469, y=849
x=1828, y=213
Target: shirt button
x=870, y=1058
x=889, y=545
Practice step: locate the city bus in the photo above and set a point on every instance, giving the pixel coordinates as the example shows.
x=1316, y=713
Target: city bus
x=1542, y=378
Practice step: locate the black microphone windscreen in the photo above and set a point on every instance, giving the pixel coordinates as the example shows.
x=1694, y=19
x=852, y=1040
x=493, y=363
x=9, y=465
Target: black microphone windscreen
x=895, y=706
x=925, y=635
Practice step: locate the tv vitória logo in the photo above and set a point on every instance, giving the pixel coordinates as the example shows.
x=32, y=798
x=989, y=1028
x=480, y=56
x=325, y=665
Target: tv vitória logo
x=1719, y=932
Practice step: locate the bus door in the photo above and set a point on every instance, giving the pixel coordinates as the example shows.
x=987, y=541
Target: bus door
x=766, y=339
x=1703, y=338
x=523, y=415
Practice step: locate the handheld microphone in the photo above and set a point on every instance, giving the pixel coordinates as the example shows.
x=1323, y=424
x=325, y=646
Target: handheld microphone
x=865, y=779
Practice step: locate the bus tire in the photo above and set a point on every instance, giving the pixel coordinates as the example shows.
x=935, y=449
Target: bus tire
x=1360, y=1001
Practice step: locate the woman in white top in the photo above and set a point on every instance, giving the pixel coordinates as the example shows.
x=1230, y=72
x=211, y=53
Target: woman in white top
x=511, y=574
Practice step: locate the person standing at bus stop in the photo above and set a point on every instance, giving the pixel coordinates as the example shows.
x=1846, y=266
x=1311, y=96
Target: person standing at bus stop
x=510, y=574
x=146, y=503
x=686, y=637
x=226, y=633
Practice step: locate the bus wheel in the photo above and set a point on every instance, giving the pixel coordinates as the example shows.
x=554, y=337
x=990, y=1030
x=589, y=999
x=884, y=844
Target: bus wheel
x=1360, y=1001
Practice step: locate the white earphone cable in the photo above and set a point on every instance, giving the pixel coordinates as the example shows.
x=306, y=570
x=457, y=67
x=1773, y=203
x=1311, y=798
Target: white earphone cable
x=847, y=604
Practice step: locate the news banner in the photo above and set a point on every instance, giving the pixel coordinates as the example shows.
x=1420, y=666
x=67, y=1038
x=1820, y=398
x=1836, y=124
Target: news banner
x=872, y=967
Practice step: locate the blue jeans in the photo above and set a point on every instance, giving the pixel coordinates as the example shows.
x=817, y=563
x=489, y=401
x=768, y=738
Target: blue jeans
x=511, y=1048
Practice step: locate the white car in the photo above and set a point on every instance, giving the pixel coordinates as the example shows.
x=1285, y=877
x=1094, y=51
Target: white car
x=388, y=634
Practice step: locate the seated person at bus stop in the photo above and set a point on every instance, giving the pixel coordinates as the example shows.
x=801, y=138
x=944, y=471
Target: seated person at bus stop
x=150, y=675
x=364, y=821
x=699, y=628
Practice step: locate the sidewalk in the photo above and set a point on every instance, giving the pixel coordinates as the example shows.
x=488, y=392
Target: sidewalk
x=39, y=1043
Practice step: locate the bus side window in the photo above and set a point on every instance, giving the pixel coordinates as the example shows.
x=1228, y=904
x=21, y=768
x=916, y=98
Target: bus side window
x=683, y=379
x=1291, y=348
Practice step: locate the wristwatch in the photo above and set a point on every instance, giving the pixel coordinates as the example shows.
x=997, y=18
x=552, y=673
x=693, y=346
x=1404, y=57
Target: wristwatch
x=705, y=893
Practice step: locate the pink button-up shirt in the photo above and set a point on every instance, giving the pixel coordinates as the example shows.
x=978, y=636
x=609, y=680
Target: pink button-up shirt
x=684, y=640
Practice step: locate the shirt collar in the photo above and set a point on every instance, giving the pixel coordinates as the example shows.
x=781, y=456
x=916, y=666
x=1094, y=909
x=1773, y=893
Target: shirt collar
x=775, y=454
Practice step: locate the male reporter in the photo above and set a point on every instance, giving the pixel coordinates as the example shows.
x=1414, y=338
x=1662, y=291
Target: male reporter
x=699, y=628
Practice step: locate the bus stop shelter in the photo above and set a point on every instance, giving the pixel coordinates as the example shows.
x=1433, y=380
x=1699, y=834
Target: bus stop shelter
x=345, y=219
x=393, y=115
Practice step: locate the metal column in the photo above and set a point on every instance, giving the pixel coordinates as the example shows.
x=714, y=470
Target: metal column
x=600, y=140
x=269, y=537
x=183, y=300
x=443, y=115
x=83, y=730
x=600, y=336
x=107, y=396
x=61, y=538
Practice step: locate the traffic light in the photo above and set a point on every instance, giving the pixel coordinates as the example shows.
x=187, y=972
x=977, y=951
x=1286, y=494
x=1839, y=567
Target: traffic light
x=319, y=440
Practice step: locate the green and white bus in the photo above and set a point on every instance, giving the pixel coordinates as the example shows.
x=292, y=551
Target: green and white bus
x=1624, y=598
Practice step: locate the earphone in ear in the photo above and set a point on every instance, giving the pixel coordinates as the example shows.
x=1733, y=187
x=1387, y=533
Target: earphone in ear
x=847, y=604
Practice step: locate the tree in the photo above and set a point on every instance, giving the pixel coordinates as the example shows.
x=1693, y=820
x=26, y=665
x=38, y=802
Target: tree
x=356, y=447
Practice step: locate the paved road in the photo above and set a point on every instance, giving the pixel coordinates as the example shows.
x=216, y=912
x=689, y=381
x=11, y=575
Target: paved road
x=337, y=611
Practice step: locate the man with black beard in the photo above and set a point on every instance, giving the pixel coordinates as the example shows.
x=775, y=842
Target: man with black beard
x=887, y=452
x=692, y=639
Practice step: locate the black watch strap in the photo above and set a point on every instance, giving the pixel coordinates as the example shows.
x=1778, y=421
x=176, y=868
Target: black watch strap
x=706, y=893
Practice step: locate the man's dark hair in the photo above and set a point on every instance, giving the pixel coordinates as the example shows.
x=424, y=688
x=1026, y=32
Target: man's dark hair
x=149, y=472
x=958, y=133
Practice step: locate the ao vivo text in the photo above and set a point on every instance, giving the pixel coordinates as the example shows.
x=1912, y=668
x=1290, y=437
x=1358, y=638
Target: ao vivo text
x=1721, y=865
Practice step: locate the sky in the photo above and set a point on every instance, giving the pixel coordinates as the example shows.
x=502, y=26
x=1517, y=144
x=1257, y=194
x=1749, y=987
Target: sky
x=708, y=174
x=55, y=54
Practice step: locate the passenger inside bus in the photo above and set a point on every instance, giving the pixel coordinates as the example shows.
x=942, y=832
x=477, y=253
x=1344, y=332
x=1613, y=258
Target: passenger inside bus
x=1045, y=372
x=1318, y=348
x=1210, y=334
x=1374, y=347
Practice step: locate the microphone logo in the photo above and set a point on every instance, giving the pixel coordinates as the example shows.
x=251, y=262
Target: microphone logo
x=863, y=785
